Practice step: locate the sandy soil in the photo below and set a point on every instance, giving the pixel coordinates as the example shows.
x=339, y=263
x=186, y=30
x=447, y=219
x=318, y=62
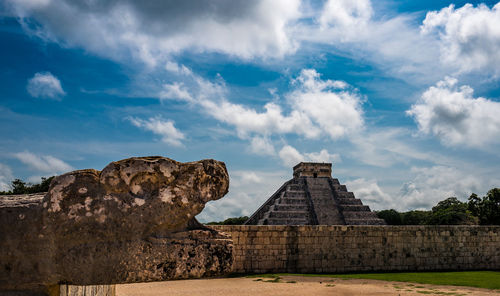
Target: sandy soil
x=291, y=285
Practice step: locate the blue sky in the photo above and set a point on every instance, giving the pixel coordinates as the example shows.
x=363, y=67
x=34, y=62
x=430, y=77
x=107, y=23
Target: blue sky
x=402, y=96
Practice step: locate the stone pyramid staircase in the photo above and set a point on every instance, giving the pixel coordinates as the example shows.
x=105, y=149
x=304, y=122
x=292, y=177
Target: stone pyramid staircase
x=313, y=201
x=288, y=206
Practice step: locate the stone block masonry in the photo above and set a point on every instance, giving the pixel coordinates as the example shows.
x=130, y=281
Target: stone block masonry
x=339, y=249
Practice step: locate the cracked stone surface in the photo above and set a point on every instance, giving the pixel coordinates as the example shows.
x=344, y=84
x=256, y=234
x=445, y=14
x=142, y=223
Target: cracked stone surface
x=131, y=222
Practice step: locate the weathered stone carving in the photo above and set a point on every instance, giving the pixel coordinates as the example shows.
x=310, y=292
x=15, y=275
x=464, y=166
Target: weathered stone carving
x=133, y=221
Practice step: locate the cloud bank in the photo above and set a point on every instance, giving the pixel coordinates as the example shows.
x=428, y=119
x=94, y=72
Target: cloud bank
x=469, y=37
x=151, y=31
x=452, y=113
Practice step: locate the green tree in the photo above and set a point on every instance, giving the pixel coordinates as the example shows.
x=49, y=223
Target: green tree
x=18, y=186
x=474, y=205
x=491, y=207
x=391, y=217
x=486, y=209
x=451, y=211
x=415, y=217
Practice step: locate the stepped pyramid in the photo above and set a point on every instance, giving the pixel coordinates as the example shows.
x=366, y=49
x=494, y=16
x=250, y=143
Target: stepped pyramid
x=313, y=197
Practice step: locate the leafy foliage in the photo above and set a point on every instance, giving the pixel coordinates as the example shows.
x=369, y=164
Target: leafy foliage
x=415, y=217
x=20, y=187
x=486, y=209
x=391, y=217
x=451, y=211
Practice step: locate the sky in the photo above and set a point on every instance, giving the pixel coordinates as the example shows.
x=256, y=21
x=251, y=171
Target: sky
x=403, y=97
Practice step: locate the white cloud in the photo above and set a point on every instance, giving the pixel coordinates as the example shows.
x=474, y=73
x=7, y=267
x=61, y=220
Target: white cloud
x=469, y=36
x=433, y=184
x=245, y=177
x=5, y=177
x=329, y=104
x=290, y=156
x=153, y=31
x=175, y=90
x=455, y=116
x=345, y=13
x=322, y=156
x=178, y=69
x=370, y=193
x=45, y=85
x=317, y=107
x=44, y=163
x=262, y=146
x=166, y=129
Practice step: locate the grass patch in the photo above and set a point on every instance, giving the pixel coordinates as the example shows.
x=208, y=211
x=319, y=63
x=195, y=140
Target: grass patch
x=478, y=279
x=275, y=280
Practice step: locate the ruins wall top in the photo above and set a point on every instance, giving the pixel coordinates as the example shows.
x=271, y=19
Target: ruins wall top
x=312, y=169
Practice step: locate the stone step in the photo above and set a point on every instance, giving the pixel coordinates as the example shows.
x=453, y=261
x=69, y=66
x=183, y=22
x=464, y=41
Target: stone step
x=293, y=200
x=289, y=214
x=320, y=194
x=291, y=207
x=291, y=187
x=345, y=194
x=341, y=188
x=355, y=208
x=295, y=194
x=349, y=201
x=359, y=215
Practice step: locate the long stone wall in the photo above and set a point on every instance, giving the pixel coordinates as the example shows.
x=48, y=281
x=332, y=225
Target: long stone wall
x=334, y=249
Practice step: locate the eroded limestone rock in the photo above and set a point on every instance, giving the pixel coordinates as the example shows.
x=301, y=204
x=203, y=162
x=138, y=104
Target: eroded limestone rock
x=133, y=221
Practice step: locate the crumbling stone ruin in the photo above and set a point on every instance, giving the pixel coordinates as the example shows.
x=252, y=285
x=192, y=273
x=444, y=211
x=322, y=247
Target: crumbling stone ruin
x=313, y=197
x=131, y=222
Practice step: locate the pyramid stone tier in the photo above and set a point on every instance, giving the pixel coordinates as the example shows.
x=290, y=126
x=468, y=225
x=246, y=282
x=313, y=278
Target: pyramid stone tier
x=313, y=197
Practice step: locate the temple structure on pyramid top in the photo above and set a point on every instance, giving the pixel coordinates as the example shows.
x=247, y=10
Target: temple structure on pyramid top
x=313, y=197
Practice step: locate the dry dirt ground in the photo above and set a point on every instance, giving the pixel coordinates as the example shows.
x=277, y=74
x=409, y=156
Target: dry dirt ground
x=292, y=285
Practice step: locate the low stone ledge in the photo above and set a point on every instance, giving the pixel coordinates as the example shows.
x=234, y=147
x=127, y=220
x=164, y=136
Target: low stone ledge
x=334, y=248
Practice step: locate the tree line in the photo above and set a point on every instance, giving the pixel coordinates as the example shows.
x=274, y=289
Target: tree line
x=451, y=211
x=18, y=186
